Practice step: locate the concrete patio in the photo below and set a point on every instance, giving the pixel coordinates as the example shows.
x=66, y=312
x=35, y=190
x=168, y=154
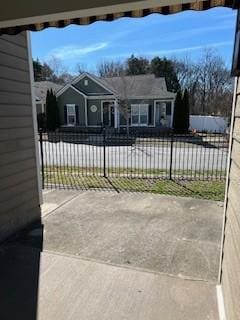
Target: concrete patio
x=114, y=256
x=166, y=234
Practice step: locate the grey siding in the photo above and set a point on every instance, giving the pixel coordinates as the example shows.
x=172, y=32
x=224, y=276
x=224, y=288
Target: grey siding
x=94, y=118
x=19, y=198
x=91, y=88
x=231, y=248
x=70, y=96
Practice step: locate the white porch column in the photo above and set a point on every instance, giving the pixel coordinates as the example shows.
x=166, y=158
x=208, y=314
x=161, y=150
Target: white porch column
x=116, y=114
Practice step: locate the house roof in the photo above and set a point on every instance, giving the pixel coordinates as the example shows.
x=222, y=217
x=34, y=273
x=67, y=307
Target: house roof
x=145, y=86
x=138, y=86
x=41, y=88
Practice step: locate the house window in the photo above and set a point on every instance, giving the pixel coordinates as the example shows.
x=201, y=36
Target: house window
x=86, y=82
x=71, y=114
x=139, y=114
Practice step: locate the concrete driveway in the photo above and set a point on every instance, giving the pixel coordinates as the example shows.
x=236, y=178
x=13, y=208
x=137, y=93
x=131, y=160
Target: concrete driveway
x=164, y=234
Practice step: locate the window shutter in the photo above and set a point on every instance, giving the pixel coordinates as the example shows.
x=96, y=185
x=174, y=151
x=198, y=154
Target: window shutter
x=65, y=115
x=150, y=115
x=77, y=115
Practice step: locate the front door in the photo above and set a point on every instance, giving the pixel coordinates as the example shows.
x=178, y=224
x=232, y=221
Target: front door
x=108, y=114
x=160, y=114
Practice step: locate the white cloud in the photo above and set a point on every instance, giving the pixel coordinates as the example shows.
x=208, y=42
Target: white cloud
x=74, y=51
x=193, y=48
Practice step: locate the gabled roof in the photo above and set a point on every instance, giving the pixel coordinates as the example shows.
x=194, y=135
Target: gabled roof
x=66, y=87
x=138, y=86
x=132, y=87
x=41, y=88
x=95, y=79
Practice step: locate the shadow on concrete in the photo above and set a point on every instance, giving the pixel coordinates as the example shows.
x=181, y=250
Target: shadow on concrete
x=19, y=276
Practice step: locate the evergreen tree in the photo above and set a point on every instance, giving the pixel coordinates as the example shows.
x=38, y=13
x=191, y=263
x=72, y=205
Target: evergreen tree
x=52, y=111
x=165, y=68
x=177, y=116
x=185, y=111
x=137, y=65
x=37, y=69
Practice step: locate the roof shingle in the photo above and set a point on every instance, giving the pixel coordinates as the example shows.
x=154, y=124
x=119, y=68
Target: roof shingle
x=138, y=86
x=41, y=88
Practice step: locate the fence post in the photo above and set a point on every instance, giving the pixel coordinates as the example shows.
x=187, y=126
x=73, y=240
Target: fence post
x=41, y=153
x=171, y=156
x=104, y=152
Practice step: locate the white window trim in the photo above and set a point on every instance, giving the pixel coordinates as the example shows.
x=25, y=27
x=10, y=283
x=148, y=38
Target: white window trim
x=139, y=124
x=71, y=105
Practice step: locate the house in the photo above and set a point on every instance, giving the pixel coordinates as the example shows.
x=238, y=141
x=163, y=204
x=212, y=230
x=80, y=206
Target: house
x=91, y=102
x=40, y=91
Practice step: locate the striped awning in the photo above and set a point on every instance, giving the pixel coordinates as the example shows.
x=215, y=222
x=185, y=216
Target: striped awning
x=165, y=10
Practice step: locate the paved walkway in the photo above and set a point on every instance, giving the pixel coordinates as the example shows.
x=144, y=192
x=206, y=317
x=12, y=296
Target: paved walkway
x=68, y=288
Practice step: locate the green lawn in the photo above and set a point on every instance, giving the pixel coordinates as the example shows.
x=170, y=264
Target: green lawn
x=130, y=172
x=212, y=190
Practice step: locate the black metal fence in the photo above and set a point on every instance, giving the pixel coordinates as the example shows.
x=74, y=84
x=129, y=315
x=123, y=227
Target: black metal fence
x=66, y=158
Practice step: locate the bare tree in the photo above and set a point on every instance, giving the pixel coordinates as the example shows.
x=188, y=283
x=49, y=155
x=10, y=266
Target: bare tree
x=208, y=82
x=124, y=103
x=61, y=72
x=81, y=68
x=125, y=87
x=111, y=68
x=214, y=83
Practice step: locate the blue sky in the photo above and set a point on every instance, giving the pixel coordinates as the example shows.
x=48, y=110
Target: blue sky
x=184, y=34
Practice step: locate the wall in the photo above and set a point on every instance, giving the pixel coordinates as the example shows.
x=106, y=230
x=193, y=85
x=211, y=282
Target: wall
x=19, y=197
x=231, y=248
x=91, y=88
x=208, y=123
x=94, y=118
x=70, y=96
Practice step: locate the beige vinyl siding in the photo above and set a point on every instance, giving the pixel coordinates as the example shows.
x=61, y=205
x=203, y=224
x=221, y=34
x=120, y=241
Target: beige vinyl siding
x=231, y=248
x=19, y=198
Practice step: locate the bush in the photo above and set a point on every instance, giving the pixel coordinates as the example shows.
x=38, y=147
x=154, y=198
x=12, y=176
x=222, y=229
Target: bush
x=52, y=111
x=181, y=112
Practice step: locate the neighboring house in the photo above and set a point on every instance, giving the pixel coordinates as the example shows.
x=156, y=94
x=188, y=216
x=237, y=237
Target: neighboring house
x=41, y=88
x=90, y=101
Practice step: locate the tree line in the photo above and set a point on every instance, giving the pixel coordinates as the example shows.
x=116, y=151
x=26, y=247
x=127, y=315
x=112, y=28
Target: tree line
x=53, y=70
x=208, y=79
